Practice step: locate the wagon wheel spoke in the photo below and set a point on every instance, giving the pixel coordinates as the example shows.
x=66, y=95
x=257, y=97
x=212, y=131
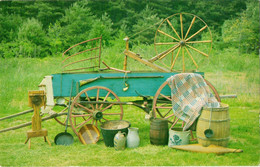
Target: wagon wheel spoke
x=174, y=122
x=111, y=114
x=83, y=115
x=166, y=97
x=89, y=100
x=167, y=112
x=109, y=106
x=105, y=119
x=85, y=108
x=95, y=111
x=97, y=96
x=84, y=122
x=169, y=116
x=104, y=100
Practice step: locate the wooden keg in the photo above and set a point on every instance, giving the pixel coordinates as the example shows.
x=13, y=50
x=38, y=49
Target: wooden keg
x=159, y=132
x=219, y=124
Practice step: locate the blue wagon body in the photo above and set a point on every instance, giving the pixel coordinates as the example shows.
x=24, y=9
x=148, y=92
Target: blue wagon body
x=139, y=83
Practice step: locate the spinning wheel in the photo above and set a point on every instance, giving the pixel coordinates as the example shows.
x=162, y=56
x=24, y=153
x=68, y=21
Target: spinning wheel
x=182, y=37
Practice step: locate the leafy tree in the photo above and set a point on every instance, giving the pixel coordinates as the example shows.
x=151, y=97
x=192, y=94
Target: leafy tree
x=145, y=26
x=76, y=23
x=243, y=32
x=32, y=39
x=9, y=27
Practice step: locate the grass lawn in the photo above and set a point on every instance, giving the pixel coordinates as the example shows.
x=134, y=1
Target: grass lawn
x=20, y=75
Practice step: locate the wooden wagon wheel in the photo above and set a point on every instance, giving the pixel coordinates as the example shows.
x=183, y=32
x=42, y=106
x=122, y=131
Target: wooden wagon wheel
x=62, y=109
x=97, y=109
x=162, y=105
x=180, y=38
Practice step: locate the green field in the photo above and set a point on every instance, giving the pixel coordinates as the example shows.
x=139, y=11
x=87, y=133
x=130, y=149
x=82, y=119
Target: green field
x=229, y=72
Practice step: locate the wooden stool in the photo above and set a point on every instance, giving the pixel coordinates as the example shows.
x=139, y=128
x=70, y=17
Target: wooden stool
x=37, y=99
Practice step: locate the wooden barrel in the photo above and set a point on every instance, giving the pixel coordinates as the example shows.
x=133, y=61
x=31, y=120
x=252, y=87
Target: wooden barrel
x=220, y=125
x=159, y=132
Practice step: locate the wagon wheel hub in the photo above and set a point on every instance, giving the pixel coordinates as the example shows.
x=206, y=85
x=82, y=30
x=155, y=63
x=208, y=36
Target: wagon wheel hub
x=97, y=115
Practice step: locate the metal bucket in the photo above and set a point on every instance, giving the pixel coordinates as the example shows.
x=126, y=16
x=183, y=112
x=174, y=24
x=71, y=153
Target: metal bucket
x=219, y=125
x=110, y=128
x=178, y=137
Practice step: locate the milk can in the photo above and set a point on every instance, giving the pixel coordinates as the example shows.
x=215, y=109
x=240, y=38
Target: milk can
x=120, y=141
x=133, y=139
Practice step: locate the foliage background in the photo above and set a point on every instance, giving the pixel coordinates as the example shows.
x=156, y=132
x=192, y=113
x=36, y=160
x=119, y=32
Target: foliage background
x=46, y=28
x=33, y=34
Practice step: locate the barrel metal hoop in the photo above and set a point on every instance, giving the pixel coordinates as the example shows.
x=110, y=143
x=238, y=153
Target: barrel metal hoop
x=223, y=120
x=221, y=139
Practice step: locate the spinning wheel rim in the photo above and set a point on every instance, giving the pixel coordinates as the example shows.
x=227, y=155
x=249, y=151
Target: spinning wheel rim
x=182, y=41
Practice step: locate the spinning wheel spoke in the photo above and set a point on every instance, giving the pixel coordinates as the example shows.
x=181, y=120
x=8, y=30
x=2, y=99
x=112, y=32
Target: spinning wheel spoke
x=167, y=35
x=171, y=50
x=175, y=58
x=189, y=35
x=166, y=43
x=192, y=22
x=203, y=28
x=173, y=28
x=198, y=51
x=191, y=58
x=207, y=41
x=181, y=26
x=163, y=54
x=183, y=62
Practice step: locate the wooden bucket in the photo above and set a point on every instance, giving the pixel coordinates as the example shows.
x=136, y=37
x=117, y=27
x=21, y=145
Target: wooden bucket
x=159, y=132
x=220, y=125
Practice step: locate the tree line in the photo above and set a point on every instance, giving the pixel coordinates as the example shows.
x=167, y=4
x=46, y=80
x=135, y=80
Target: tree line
x=46, y=28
